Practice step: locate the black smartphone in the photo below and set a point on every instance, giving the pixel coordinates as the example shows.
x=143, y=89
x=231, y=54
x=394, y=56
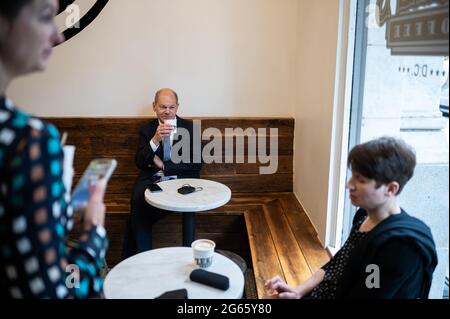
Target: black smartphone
x=174, y=294
x=154, y=188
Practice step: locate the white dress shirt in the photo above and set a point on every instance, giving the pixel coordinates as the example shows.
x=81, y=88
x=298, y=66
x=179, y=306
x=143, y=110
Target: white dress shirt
x=156, y=146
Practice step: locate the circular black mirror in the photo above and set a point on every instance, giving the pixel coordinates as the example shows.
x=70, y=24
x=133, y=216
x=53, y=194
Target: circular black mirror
x=85, y=20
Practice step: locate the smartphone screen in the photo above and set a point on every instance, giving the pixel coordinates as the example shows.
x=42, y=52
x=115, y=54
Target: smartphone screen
x=154, y=188
x=97, y=169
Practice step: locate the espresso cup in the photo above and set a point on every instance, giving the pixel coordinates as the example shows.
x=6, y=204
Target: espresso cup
x=203, y=250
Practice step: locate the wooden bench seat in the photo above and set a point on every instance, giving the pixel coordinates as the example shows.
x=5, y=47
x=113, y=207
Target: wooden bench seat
x=263, y=222
x=283, y=242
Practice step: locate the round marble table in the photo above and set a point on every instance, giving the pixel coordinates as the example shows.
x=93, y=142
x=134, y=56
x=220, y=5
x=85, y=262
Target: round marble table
x=213, y=195
x=150, y=274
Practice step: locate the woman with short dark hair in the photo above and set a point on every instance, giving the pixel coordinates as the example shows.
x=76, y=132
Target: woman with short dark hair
x=389, y=254
x=35, y=219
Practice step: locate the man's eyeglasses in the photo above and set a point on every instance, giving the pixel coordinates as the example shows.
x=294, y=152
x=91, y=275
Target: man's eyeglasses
x=170, y=107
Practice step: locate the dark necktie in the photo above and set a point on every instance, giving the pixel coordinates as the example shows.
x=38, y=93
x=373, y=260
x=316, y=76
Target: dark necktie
x=166, y=149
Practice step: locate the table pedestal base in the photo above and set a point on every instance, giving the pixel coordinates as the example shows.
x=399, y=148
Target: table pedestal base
x=188, y=229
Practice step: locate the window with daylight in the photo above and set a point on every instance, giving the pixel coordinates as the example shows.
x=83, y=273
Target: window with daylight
x=400, y=88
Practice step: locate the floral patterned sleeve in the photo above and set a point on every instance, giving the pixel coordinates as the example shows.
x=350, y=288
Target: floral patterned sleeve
x=35, y=220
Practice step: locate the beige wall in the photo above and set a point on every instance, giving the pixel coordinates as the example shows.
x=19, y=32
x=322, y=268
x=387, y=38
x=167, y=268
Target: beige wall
x=317, y=26
x=224, y=57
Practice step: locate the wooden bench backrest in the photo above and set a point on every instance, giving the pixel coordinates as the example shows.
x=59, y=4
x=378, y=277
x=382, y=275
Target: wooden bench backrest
x=118, y=138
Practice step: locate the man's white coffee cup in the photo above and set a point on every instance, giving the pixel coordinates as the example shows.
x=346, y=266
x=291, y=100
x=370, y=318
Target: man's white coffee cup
x=172, y=122
x=203, y=250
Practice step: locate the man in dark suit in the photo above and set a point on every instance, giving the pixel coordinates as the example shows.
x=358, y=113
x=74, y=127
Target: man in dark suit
x=154, y=162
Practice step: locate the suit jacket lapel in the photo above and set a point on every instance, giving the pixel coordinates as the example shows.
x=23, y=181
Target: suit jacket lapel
x=152, y=131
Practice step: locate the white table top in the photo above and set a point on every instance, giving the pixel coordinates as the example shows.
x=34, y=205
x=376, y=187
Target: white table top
x=213, y=195
x=149, y=274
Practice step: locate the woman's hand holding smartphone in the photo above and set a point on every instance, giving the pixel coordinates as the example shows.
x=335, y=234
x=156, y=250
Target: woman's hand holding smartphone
x=90, y=190
x=95, y=210
x=97, y=169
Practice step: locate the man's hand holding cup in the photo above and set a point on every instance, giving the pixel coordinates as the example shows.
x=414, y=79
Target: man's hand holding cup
x=163, y=130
